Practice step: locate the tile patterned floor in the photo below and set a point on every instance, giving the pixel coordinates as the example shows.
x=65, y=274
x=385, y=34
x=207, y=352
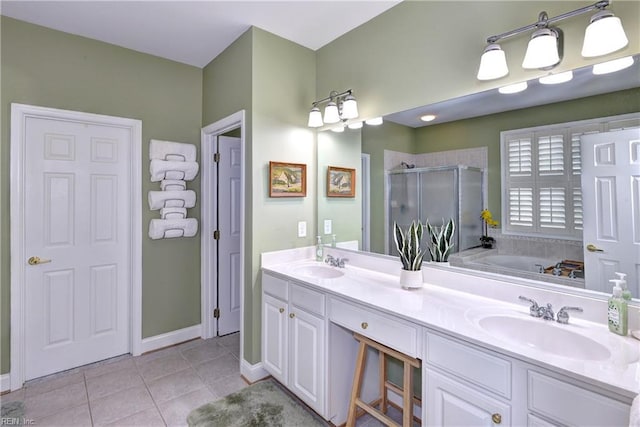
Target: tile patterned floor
x=154, y=390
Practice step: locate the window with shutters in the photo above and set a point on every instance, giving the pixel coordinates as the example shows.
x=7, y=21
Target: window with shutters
x=541, y=172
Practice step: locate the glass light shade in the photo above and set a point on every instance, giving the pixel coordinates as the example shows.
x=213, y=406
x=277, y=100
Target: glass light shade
x=356, y=125
x=603, y=35
x=493, y=63
x=514, y=88
x=315, y=118
x=338, y=129
x=613, y=66
x=349, y=107
x=331, y=113
x=542, y=50
x=553, y=79
x=374, y=121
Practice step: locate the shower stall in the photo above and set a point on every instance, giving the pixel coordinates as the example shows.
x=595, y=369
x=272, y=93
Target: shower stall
x=436, y=194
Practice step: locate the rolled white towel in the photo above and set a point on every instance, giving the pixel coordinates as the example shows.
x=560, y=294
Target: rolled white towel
x=170, y=228
x=168, y=150
x=171, y=199
x=173, y=213
x=634, y=416
x=166, y=169
x=173, y=184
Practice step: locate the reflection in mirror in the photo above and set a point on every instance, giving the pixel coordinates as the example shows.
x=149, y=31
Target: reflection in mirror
x=340, y=216
x=476, y=125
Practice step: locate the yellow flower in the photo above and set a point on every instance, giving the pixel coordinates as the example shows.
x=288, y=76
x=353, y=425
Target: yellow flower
x=488, y=218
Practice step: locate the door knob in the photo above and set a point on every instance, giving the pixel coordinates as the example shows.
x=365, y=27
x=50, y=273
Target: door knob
x=34, y=260
x=496, y=418
x=593, y=248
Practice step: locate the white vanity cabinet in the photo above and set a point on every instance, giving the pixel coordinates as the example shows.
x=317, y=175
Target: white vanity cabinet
x=464, y=384
x=294, y=338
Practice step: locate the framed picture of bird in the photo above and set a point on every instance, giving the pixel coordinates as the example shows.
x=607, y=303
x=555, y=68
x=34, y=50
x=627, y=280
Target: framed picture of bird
x=287, y=179
x=341, y=182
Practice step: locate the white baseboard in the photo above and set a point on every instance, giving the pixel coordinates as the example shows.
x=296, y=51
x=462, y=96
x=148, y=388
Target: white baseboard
x=170, y=338
x=251, y=372
x=5, y=382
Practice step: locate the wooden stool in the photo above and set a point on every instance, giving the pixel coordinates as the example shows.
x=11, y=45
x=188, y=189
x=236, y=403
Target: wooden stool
x=407, y=393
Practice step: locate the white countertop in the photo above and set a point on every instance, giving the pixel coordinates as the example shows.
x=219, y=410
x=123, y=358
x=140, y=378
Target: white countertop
x=456, y=313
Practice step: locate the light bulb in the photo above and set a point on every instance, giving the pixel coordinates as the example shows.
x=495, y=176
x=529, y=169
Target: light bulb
x=315, y=118
x=493, y=63
x=604, y=35
x=542, y=50
x=331, y=113
x=349, y=107
x=613, y=66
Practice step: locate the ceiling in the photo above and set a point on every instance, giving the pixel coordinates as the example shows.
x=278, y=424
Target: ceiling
x=583, y=84
x=195, y=32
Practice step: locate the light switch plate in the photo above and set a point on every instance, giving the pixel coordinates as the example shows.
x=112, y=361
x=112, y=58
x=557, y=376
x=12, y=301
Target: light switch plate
x=302, y=228
x=327, y=226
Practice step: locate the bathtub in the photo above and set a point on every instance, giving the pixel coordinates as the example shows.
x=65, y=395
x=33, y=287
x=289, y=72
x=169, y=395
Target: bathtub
x=515, y=262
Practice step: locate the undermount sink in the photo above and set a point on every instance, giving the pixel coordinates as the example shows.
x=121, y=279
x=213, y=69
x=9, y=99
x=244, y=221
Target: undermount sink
x=319, y=271
x=545, y=336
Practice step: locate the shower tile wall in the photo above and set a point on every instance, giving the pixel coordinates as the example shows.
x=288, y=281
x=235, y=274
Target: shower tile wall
x=554, y=249
x=474, y=157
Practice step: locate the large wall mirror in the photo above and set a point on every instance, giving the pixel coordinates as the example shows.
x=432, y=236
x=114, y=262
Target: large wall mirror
x=471, y=122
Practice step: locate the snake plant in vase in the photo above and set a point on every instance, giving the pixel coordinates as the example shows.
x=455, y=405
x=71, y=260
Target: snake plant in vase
x=408, y=245
x=441, y=240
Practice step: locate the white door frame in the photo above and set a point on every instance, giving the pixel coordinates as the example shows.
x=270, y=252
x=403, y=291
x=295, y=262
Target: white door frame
x=19, y=115
x=208, y=292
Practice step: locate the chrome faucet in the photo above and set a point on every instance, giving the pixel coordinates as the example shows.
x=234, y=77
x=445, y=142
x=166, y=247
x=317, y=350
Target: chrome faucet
x=540, y=268
x=547, y=312
x=534, y=310
x=563, y=316
x=335, y=262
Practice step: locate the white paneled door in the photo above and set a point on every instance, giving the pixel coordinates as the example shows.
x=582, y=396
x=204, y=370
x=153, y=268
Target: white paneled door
x=611, y=204
x=77, y=244
x=229, y=224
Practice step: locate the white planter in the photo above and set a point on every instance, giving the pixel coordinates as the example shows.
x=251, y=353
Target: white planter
x=411, y=279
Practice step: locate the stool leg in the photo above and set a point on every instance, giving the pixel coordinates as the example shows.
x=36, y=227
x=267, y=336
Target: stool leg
x=383, y=378
x=357, y=383
x=407, y=397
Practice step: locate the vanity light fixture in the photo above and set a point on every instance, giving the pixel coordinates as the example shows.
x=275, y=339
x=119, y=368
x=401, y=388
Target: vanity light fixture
x=604, y=35
x=428, y=117
x=514, y=88
x=340, y=106
x=374, y=121
x=553, y=79
x=613, y=66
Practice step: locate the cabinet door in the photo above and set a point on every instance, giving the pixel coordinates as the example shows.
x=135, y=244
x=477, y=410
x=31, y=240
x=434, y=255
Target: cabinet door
x=452, y=403
x=274, y=337
x=306, y=358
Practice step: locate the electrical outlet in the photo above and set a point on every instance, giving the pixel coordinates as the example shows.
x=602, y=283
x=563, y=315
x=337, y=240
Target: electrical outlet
x=327, y=226
x=302, y=228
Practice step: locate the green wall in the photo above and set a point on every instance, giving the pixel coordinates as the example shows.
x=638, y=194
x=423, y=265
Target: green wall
x=376, y=139
x=54, y=69
x=422, y=52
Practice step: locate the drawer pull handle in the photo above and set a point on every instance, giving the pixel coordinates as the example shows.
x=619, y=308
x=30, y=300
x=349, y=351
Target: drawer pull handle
x=364, y=325
x=282, y=310
x=496, y=418
x=292, y=315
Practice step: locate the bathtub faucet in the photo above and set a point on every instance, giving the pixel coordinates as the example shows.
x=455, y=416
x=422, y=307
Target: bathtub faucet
x=540, y=268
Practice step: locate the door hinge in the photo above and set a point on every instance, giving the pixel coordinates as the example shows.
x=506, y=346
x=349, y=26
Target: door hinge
x=216, y=313
x=216, y=157
x=216, y=235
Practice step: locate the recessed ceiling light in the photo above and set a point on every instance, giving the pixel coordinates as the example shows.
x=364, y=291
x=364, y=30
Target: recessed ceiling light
x=514, y=88
x=374, y=121
x=553, y=79
x=428, y=117
x=356, y=125
x=613, y=66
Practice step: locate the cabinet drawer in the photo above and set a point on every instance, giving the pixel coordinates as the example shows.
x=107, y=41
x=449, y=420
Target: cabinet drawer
x=308, y=300
x=394, y=333
x=469, y=363
x=275, y=287
x=572, y=405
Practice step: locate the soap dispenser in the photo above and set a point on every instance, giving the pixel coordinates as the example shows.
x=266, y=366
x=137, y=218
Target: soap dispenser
x=319, y=249
x=617, y=310
x=626, y=293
